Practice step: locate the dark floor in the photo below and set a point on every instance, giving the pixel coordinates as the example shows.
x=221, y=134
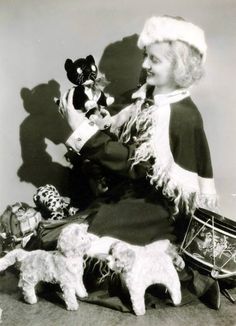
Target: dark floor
x=48, y=312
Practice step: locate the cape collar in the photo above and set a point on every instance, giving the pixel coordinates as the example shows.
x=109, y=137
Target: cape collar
x=162, y=99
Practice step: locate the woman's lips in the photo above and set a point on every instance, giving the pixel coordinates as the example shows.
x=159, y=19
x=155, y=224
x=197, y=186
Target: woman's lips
x=149, y=73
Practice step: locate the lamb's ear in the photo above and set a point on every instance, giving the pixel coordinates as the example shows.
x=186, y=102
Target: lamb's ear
x=103, y=257
x=132, y=254
x=60, y=244
x=163, y=245
x=68, y=64
x=129, y=256
x=84, y=226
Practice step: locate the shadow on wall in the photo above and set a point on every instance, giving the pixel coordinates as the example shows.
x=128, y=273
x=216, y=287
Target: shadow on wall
x=43, y=122
x=121, y=63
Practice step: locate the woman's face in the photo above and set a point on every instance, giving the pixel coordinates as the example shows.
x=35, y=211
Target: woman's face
x=159, y=66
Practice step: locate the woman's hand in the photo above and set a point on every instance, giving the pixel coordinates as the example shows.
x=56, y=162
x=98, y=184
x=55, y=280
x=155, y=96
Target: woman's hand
x=103, y=120
x=66, y=108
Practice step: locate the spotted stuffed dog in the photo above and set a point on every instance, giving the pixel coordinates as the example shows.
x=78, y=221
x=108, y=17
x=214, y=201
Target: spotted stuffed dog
x=52, y=205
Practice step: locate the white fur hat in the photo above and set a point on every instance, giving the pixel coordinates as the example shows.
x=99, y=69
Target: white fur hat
x=165, y=28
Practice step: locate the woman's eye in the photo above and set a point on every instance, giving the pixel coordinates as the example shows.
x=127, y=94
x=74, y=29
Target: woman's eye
x=154, y=59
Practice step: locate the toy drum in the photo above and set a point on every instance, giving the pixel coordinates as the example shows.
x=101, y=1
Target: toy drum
x=210, y=244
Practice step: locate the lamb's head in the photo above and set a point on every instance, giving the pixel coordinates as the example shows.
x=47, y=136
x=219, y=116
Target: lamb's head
x=121, y=257
x=74, y=240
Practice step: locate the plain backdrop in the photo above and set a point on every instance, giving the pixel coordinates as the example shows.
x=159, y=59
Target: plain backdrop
x=35, y=39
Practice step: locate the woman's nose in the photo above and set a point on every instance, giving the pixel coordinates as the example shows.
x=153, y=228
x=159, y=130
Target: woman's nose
x=146, y=63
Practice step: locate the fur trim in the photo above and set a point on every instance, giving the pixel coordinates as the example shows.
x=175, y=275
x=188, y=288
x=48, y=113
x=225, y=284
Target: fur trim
x=163, y=28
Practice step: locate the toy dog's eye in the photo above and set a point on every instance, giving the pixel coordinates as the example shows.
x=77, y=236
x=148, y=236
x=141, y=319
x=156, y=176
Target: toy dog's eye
x=93, y=68
x=79, y=70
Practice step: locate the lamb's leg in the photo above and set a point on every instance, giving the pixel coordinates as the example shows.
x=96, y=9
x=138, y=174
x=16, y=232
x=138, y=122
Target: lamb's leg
x=174, y=288
x=69, y=297
x=28, y=290
x=81, y=291
x=137, y=299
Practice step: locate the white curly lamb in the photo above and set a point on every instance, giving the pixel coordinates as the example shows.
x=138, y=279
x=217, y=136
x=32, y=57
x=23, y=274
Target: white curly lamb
x=63, y=266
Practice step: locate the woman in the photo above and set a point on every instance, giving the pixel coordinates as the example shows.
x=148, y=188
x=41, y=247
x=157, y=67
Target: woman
x=156, y=146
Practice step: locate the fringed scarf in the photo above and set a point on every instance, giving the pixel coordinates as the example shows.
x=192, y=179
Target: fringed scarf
x=169, y=131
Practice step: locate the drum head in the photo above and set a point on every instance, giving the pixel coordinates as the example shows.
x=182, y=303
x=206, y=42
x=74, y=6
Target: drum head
x=210, y=243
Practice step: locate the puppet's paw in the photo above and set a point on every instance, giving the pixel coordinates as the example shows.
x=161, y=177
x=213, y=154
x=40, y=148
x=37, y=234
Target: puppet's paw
x=110, y=100
x=90, y=104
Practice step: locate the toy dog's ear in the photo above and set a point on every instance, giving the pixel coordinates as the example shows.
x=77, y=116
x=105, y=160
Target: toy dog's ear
x=90, y=59
x=68, y=64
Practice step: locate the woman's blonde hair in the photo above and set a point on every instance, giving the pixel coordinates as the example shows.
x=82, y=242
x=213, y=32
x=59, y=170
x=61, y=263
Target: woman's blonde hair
x=188, y=45
x=187, y=63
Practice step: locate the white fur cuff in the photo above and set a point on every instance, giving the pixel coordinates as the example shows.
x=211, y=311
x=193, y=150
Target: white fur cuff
x=82, y=134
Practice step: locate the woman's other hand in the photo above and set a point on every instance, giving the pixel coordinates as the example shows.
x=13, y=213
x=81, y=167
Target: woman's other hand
x=103, y=119
x=66, y=108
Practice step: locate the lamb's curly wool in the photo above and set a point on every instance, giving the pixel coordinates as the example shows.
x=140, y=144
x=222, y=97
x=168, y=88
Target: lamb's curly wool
x=141, y=267
x=64, y=266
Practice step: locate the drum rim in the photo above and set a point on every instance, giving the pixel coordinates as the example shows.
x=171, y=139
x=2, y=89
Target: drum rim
x=206, y=265
x=218, y=219
x=217, y=227
x=205, y=268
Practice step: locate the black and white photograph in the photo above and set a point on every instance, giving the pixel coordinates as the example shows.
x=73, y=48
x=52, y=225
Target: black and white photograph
x=118, y=167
